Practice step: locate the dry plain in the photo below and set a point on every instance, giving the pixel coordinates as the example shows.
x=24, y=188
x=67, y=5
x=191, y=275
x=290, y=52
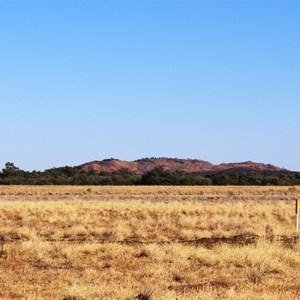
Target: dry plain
x=88, y=242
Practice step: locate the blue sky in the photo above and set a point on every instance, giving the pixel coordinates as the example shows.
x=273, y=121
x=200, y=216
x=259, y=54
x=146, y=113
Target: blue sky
x=88, y=80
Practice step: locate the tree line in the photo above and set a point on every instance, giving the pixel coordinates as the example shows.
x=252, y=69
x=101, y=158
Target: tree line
x=76, y=176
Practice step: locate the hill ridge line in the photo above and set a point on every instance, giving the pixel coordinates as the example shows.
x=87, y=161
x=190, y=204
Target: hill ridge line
x=144, y=165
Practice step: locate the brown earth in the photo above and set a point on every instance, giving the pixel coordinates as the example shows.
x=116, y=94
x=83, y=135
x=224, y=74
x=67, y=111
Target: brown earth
x=145, y=165
x=207, y=242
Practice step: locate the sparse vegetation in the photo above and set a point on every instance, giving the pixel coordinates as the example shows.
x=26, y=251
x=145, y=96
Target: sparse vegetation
x=158, y=176
x=148, y=242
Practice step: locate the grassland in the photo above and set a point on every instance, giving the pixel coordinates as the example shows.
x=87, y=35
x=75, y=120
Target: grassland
x=74, y=243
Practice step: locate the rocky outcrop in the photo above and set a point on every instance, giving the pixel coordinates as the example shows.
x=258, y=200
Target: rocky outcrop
x=145, y=165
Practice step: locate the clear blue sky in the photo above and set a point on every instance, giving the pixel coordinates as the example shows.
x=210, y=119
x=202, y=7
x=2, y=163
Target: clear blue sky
x=88, y=80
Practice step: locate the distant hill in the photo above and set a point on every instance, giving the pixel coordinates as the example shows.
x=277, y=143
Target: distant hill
x=142, y=166
x=153, y=171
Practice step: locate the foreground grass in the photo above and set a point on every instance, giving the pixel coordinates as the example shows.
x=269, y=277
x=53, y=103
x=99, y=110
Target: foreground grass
x=148, y=242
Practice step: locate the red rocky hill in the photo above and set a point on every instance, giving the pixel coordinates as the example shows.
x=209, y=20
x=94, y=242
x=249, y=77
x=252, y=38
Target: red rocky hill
x=145, y=165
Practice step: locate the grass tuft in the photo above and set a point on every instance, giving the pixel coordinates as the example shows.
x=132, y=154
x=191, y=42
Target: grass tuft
x=146, y=295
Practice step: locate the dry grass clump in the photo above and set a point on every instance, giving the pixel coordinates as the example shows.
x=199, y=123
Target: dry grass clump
x=154, y=246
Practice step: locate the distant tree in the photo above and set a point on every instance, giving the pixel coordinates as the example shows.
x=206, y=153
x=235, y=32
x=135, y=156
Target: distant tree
x=10, y=167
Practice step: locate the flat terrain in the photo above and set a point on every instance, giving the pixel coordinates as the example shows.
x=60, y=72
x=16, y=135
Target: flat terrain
x=71, y=243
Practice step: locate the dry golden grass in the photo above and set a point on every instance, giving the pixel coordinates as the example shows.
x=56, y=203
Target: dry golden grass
x=76, y=243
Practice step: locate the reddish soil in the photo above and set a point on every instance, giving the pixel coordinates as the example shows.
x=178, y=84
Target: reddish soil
x=198, y=287
x=145, y=165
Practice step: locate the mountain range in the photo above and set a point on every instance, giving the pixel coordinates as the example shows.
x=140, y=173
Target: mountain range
x=144, y=165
